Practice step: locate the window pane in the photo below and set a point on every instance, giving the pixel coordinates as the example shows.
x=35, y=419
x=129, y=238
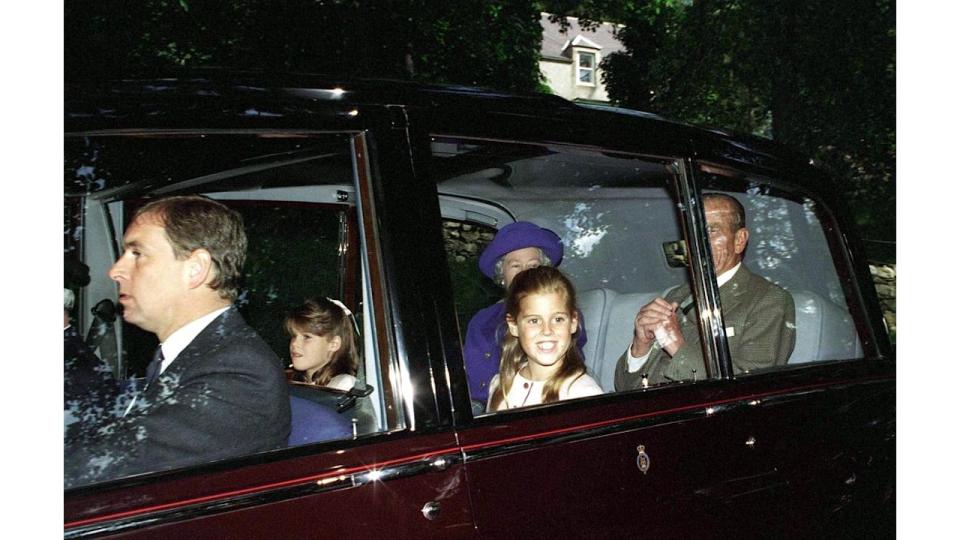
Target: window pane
x=292, y=254
x=585, y=67
x=612, y=213
x=792, y=308
x=263, y=393
x=464, y=241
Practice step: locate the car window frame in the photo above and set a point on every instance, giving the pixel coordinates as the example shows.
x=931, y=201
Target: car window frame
x=688, y=185
x=702, y=277
x=840, y=247
x=372, y=279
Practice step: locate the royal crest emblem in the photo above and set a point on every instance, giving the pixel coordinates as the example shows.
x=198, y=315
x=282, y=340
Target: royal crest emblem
x=643, y=460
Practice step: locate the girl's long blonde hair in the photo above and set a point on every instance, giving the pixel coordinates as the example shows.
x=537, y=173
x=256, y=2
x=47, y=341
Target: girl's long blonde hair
x=539, y=280
x=322, y=316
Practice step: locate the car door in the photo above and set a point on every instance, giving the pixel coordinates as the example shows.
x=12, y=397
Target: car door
x=714, y=452
x=818, y=432
x=313, y=207
x=643, y=460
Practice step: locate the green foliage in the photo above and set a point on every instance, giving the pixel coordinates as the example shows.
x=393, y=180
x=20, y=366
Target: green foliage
x=818, y=75
x=292, y=254
x=473, y=290
x=466, y=42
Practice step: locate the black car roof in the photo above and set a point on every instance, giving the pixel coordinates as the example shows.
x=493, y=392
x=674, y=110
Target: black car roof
x=222, y=99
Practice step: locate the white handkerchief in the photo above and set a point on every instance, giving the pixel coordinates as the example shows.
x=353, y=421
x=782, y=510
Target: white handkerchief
x=663, y=337
x=731, y=332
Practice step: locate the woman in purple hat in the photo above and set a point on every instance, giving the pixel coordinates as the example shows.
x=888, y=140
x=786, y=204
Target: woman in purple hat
x=516, y=247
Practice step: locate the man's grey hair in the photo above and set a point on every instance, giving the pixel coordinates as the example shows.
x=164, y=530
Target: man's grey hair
x=739, y=219
x=498, y=267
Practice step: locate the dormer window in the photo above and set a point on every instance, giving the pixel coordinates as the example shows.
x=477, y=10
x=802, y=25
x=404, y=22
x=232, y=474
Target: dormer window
x=586, y=68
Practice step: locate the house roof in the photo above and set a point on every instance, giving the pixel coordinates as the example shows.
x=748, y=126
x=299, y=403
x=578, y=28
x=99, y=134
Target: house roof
x=555, y=44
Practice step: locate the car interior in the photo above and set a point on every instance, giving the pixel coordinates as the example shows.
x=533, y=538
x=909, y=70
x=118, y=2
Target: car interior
x=617, y=213
x=302, y=241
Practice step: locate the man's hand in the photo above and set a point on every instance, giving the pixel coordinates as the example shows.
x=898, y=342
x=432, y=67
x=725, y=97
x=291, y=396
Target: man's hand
x=657, y=317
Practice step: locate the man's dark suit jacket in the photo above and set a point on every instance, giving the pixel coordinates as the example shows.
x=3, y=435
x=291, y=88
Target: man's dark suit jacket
x=225, y=395
x=89, y=388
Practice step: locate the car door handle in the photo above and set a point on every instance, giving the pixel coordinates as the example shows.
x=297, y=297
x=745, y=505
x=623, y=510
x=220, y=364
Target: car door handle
x=431, y=510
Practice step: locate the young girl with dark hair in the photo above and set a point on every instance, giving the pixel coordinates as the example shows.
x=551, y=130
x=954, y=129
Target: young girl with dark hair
x=322, y=343
x=539, y=363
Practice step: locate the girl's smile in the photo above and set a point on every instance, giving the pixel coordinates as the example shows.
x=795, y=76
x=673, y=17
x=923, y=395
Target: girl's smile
x=544, y=329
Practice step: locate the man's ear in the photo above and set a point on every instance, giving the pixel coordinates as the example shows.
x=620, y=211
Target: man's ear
x=740, y=240
x=199, y=268
x=512, y=326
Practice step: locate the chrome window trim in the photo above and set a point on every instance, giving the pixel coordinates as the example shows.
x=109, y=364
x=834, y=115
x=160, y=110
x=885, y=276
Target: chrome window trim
x=322, y=484
x=480, y=451
x=702, y=283
x=393, y=371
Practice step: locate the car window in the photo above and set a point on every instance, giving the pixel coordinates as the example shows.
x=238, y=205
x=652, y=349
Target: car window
x=794, y=308
x=463, y=241
x=296, y=196
x=617, y=218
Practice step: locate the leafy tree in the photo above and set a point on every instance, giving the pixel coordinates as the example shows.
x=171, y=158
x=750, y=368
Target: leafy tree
x=818, y=75
x=466, y=42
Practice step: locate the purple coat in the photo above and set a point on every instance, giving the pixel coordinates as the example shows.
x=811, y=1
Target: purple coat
x=481, y=350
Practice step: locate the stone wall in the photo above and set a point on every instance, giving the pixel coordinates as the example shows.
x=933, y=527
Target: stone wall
x=464, y=240
x=885, y=281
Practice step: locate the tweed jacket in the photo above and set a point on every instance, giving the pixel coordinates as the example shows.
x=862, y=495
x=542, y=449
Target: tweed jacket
x=760, y=326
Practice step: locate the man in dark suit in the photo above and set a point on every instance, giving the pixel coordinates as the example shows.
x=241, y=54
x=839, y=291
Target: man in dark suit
x=215, y=389
x=759, y=316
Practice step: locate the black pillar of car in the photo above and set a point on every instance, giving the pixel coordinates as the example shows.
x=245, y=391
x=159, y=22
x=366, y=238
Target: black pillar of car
x=413, y=263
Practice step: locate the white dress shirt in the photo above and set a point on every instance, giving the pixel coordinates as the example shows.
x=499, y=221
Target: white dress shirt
x=178, y=341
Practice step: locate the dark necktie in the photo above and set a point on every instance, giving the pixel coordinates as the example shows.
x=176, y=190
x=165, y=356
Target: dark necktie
x=153, y=369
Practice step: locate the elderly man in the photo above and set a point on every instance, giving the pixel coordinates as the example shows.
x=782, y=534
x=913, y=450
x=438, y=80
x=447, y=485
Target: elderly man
x=214, y=389
x=516, y=247
x=759, y=315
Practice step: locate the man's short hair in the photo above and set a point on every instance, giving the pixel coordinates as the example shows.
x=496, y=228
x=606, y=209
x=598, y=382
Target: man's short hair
x=740, y=217
x=192, y=222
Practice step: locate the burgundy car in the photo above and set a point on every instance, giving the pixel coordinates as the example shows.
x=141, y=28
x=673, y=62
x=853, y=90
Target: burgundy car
x=384, y=194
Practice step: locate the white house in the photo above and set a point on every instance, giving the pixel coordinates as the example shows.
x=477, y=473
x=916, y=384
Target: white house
x=570, y=61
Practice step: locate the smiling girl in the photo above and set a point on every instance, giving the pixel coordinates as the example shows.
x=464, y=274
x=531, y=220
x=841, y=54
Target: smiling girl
x=322, y=344
x=538, y=363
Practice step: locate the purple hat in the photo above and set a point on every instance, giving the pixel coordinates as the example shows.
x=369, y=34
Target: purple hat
x=519, y=235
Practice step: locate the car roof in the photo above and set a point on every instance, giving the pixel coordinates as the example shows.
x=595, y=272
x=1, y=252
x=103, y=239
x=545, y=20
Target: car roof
x=228, y=99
